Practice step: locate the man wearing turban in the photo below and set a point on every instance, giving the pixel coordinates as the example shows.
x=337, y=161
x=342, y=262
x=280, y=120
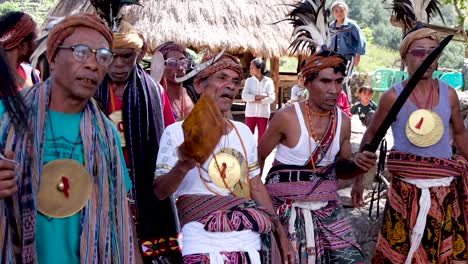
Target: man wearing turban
x=17, y=36
x=310, y=136
x=209, y=163
x=136, y=104
x=425, y=220
x=176, y=63
x=70, y=201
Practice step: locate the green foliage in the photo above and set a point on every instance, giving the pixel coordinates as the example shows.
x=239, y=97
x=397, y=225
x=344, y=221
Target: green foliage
x=387, y=36
x=37, y=9
x=288, y=64
x=378, y=57
x=452, y=56
x=369, y=34
x=8, y=7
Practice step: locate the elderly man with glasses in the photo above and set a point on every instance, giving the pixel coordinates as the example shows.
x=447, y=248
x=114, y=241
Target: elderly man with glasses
x=136, y=105
x=176, y=64
x=63, y=179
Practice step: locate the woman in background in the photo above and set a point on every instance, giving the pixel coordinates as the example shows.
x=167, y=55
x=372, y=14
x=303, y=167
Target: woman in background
x=259, y=93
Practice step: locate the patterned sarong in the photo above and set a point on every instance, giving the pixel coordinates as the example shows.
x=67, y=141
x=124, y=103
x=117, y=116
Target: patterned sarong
x=227, y=214
x=306, y=202
x=444, y=238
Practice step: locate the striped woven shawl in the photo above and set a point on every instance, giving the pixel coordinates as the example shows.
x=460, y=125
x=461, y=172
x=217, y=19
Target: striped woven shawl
x=106, y=235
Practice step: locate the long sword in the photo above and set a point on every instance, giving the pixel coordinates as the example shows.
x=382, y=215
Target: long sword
x=400, y=101
x=344, y=165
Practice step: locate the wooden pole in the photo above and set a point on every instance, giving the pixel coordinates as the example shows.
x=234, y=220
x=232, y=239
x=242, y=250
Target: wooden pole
x=274, y=68
x=247, y=57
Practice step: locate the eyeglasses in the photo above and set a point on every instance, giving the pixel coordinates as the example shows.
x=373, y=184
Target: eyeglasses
x=176, y=63
x=420, y=52
x=82, y=52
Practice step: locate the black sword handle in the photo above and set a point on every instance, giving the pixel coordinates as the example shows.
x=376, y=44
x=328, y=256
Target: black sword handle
x=373, y=145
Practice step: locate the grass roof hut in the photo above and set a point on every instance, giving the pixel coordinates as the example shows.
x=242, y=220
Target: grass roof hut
x=244, y=27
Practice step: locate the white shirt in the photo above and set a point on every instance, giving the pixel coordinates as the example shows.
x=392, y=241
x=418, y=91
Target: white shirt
x=194, y=238
x=192, y=183
x=296, y=92
x=254, y=87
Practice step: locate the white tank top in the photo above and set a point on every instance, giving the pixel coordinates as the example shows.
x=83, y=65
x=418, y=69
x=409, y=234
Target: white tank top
x=299, y=154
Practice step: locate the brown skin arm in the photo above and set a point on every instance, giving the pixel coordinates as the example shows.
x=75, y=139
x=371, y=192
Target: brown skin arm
x=345, y=137
x=272, y=136
x=260, y=194
x=459, y=132
x=167, y=184
x=364, y=160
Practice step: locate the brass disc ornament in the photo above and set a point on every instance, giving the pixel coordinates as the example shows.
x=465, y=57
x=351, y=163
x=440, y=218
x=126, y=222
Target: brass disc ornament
x=65, y=188
x=424, y=128
x=228, y=170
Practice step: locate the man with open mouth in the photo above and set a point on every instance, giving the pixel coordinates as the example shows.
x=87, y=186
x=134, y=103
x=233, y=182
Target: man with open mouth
x=209, y=163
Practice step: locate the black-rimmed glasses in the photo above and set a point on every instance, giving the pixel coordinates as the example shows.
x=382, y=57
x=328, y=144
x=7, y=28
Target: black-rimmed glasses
x=82, y=52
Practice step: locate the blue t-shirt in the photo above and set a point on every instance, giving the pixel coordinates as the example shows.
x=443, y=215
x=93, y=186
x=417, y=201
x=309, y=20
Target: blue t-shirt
x=58, y=239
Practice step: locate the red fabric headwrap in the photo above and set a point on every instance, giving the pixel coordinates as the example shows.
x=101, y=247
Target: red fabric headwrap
x=66, y=27
x=13, y=37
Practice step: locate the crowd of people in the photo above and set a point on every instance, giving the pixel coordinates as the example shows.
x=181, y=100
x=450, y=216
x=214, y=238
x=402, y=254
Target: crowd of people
x=99, y=163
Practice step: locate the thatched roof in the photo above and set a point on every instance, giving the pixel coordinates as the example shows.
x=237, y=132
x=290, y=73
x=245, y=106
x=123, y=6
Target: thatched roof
x=239, y=25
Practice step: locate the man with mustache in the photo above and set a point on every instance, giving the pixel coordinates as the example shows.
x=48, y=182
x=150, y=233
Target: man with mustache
x=425, y=220
x=17, y=36
x=135, y=103
x=70, y=204
x=209, y=163
x=310, y=136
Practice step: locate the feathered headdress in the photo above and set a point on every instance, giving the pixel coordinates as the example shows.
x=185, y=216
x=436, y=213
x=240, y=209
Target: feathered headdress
x=309, y=19
x=111, y=11
x=409, y=12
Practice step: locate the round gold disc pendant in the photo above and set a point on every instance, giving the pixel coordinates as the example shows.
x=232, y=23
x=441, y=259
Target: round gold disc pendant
x=65, y=188
x=424, y=128
x=228, y=170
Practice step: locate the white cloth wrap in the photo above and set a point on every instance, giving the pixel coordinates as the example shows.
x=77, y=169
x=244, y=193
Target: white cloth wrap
x=201, y=241
x=306, y=207
x=424, y=206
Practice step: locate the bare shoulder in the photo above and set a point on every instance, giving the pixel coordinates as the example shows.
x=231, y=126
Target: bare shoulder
x=285, y=113
x=345, y=119
x=345, y=126
x=452, y=93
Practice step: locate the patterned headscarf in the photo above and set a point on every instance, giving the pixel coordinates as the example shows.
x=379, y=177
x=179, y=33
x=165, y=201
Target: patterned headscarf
x=417, y=34
x=13, y=37
x=321, y=60
x=170, y=46
x=226, y=61
x=66, y=27
x=127, y=37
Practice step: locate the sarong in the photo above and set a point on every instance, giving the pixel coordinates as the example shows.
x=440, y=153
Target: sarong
x=307, y=203
x=424, y=224
x=227, y=214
